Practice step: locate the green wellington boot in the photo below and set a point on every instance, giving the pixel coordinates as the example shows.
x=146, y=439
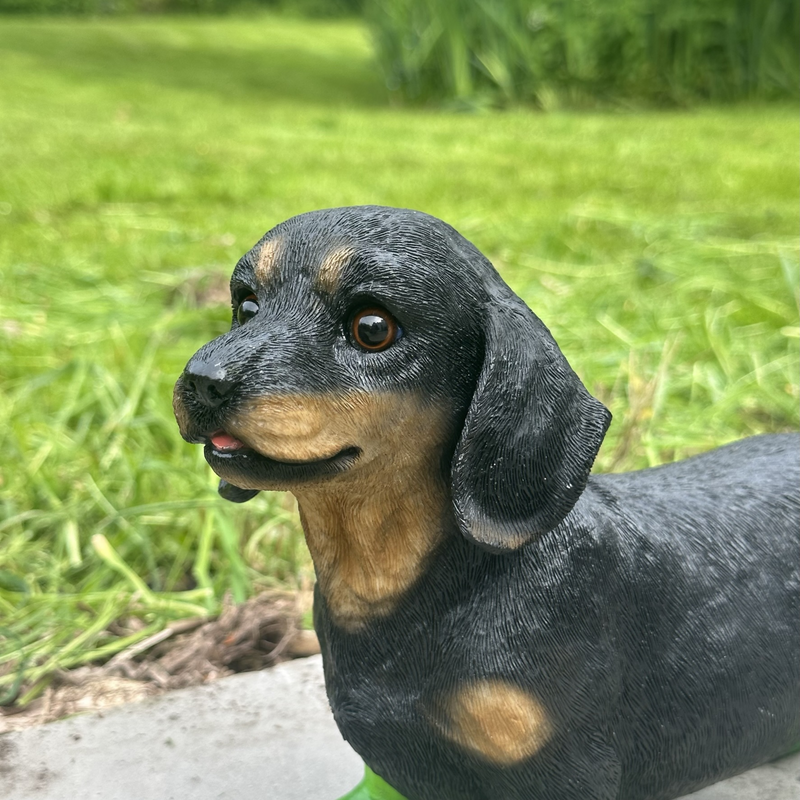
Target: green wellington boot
x=372, y=787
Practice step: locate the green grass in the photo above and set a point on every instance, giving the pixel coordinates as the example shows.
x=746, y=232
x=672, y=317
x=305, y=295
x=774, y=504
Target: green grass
x=586, y=53
x=140, y=158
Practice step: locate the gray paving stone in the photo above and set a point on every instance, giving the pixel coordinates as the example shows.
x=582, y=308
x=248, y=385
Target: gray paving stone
x=259, y=736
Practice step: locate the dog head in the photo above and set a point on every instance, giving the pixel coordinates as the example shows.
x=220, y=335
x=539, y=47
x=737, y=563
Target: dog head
x=367, y=340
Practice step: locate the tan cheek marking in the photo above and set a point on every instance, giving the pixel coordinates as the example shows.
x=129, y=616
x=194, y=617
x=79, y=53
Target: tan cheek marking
x=268, y=260
x=291, y=427
x=372, y=529
x=330, y=271
x=496, y=721
x=372, y=533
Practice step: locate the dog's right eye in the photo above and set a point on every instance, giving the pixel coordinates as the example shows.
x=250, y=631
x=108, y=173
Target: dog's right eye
x=247, y=309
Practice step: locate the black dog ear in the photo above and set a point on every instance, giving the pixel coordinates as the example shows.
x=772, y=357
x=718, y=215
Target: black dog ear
x=531, y=434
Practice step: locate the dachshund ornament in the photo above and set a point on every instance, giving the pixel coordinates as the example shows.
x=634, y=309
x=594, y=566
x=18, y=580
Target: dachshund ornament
x=495, y=623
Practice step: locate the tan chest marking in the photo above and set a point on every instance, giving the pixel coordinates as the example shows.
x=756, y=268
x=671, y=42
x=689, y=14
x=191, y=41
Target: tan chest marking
x=495, y=720
x=370, y=546
x=372, y=529
x=267, y=263
x=330, y=270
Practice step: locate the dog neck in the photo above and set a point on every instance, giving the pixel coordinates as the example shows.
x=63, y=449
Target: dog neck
x=371, y=538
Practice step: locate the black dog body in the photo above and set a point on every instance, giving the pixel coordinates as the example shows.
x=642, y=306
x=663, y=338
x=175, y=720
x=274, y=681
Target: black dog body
x=661, y=629
x=494, y=622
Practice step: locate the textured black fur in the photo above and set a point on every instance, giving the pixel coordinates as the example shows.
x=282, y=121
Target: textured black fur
x=654, y=614
x=659, y=620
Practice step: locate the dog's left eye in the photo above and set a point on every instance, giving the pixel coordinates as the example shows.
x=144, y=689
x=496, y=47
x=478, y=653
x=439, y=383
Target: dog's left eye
x=374, y=329
x=247, y=309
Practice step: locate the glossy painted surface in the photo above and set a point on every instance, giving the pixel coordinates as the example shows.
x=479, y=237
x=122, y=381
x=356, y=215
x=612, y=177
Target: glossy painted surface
x=494, y=622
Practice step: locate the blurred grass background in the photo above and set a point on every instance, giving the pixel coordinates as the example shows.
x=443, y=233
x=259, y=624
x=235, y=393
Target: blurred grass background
x=142, y=155
x=588, y=52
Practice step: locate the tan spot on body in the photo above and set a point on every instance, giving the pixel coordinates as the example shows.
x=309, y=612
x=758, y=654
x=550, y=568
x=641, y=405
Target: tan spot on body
x=330, y=270
x=372, y=528
x=268, y=260
x=495, y=720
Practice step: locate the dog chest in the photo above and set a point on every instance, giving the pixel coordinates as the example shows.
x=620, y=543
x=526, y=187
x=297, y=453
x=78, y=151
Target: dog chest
x=493, y=681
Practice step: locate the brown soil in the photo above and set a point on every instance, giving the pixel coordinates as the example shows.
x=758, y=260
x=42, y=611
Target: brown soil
x=257, y=634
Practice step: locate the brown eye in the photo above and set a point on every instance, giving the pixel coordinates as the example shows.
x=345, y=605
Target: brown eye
x=248, y=308
x=374, y=329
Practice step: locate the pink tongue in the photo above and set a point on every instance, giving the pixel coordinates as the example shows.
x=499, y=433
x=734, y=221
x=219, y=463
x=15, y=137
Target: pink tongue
x=224, y=441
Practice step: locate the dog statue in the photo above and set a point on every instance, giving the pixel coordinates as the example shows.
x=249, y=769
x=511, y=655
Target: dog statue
x=496, y=624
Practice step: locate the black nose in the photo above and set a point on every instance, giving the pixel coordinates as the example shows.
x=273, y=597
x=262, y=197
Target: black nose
x=210, y=383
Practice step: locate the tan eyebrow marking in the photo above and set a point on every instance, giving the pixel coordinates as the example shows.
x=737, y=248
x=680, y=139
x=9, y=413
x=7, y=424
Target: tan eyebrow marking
x=268, y=260
x=330, y=270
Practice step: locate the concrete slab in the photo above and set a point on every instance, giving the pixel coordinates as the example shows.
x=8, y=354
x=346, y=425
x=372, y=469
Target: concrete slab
x=258, y=736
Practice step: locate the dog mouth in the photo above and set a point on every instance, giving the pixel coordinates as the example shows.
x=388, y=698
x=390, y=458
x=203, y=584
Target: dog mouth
x=243, y=468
